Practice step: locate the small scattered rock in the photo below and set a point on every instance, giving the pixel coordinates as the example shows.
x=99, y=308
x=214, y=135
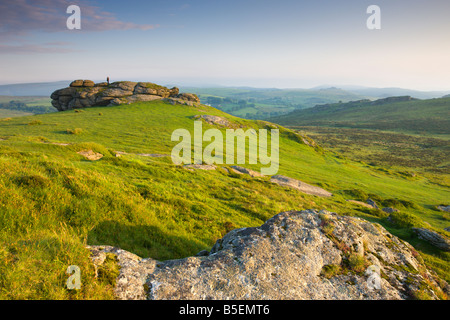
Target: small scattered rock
x=192, y=167
x=433, y=238
x=300, y=185
x=389, y=210
x=118, y=154
x=152, y=155
x=366, y=205
x=91, y=155
x=444, y=208
x=251, y=173
x=214, y=120
x=372, y=203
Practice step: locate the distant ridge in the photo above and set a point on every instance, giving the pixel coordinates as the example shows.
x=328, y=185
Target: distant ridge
x=32, y=89
x=405, y=114
x=46, y=88
x=372, y=92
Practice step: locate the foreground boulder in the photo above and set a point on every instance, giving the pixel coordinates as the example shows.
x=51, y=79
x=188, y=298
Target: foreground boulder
x=86, y=93
x=294, y=255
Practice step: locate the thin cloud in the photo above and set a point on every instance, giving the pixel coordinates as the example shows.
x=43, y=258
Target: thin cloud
x=57, y=43
x=22, y=17
x=34, y=48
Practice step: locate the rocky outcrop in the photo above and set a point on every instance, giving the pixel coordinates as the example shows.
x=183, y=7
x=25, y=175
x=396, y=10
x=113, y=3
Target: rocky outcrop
x=300, y=185
x=86, y=93
x=434, y=238
x=294, y=255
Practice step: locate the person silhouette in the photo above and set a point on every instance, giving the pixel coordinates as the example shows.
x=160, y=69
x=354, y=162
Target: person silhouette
x=107, y=79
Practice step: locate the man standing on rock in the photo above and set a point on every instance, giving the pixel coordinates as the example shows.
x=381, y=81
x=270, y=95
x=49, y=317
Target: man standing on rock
x=107, y=79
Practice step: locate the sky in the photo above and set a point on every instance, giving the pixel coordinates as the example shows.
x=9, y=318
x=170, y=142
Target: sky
x=257, y=43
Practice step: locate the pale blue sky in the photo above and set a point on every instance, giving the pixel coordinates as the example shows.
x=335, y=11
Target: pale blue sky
x=256, y=43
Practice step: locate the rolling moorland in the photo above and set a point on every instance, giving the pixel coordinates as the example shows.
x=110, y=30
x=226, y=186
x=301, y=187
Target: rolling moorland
x=54, y=202
x=243, y=102
x=392, y=132
x=250, y=103
x=254, y=103
x=398, y=114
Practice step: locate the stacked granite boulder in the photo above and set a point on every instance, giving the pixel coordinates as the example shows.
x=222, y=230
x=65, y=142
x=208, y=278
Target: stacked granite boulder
x=86, y=93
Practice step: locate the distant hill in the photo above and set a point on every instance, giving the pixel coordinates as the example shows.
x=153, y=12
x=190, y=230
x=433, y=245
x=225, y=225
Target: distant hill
x=263, y=103
x=405, y=114
x=32, y=89
x=374, y=93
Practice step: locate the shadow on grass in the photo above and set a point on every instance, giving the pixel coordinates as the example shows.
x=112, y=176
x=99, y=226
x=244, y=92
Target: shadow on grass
x=145, y=241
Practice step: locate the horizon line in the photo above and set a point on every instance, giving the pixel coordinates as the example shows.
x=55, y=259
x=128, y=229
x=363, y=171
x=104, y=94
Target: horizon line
x=350, y=87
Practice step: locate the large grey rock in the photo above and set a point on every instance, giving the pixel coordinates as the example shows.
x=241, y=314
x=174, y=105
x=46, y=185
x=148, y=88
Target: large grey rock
x=284, y=258
x=85, y=94
x=434, y=238
x=300, y=185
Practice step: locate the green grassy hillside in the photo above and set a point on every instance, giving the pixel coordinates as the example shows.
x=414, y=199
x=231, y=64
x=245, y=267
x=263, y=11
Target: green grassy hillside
x=53, y=202
x=412, y=116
